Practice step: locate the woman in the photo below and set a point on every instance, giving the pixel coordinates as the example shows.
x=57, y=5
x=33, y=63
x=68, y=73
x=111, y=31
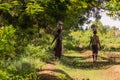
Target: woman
x=95, y=42
x=58, y=38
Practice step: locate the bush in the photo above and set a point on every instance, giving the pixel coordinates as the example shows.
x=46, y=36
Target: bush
x=24, y=68
x=7, y=41
x=77, y=40
x=39, y=52
x=3, y=75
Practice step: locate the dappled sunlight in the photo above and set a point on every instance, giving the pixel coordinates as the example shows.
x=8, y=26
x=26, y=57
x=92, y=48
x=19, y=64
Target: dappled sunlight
x=54, y=40
x=80, y=66
x=50, y=72
x=84, y=61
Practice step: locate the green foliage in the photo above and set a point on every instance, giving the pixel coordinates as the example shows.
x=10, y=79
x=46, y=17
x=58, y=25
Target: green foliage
x=77, y=39
x=39, y=47
x=25, y=21
x=38, y=51
x=7, y=41
x=33, y=43
x=5, y=6
x=112, y=6
x=56, y=9
x=49, y=12
x=33, y=8
x=46, y=39
x=21, y=68
x=3, y=75
x=63, y=77
x=24, y=68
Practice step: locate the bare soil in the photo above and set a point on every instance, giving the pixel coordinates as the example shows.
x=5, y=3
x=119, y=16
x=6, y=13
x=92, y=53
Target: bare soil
x=48, y=73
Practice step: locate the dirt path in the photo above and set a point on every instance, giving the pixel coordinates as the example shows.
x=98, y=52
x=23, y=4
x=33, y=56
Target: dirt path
x=113, y=72
x=49, y=68
x=50, y=71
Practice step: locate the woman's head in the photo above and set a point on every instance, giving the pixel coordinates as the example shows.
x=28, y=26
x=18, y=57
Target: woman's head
x=94, y=27
x=60, y=24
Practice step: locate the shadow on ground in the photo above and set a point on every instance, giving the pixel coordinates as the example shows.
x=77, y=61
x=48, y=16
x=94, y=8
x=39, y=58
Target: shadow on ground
x=81, y=63
x=53, y=74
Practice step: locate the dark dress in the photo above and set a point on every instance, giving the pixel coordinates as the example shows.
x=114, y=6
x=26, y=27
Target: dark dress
x=95, y=42
x=95, y=49
x=58, y=44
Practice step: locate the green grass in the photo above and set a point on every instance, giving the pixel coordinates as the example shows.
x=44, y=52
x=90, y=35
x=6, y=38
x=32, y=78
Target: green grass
x=22, y=68
x=76, y=66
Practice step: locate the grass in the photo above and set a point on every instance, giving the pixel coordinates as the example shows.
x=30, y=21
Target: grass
x=76, y=66
x=22, y=68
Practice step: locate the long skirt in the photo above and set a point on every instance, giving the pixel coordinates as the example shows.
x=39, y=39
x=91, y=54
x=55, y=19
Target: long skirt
x=58, y=49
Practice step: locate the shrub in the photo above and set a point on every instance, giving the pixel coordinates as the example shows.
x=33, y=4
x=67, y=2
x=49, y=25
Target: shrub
x=39, y=52
x=7, y=41
x=24, y=68
x=3, y=75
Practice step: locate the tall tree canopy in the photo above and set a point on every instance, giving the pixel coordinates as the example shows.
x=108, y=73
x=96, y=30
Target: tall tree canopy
x=45, y=13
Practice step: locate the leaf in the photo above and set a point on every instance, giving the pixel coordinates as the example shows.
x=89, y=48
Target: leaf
x=5, y=6
x=33, y=8
x=15, y=3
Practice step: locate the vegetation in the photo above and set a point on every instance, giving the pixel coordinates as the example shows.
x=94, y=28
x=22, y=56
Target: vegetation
x=79, y=66
x=27, y=28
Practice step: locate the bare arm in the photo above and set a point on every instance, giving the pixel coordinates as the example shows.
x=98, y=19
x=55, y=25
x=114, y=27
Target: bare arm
x=99, y=42
x=90, y=42
x=56, y=36
x=54, y=39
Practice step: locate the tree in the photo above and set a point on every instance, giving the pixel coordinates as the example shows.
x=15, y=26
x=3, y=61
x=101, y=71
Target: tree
x=48, y=12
